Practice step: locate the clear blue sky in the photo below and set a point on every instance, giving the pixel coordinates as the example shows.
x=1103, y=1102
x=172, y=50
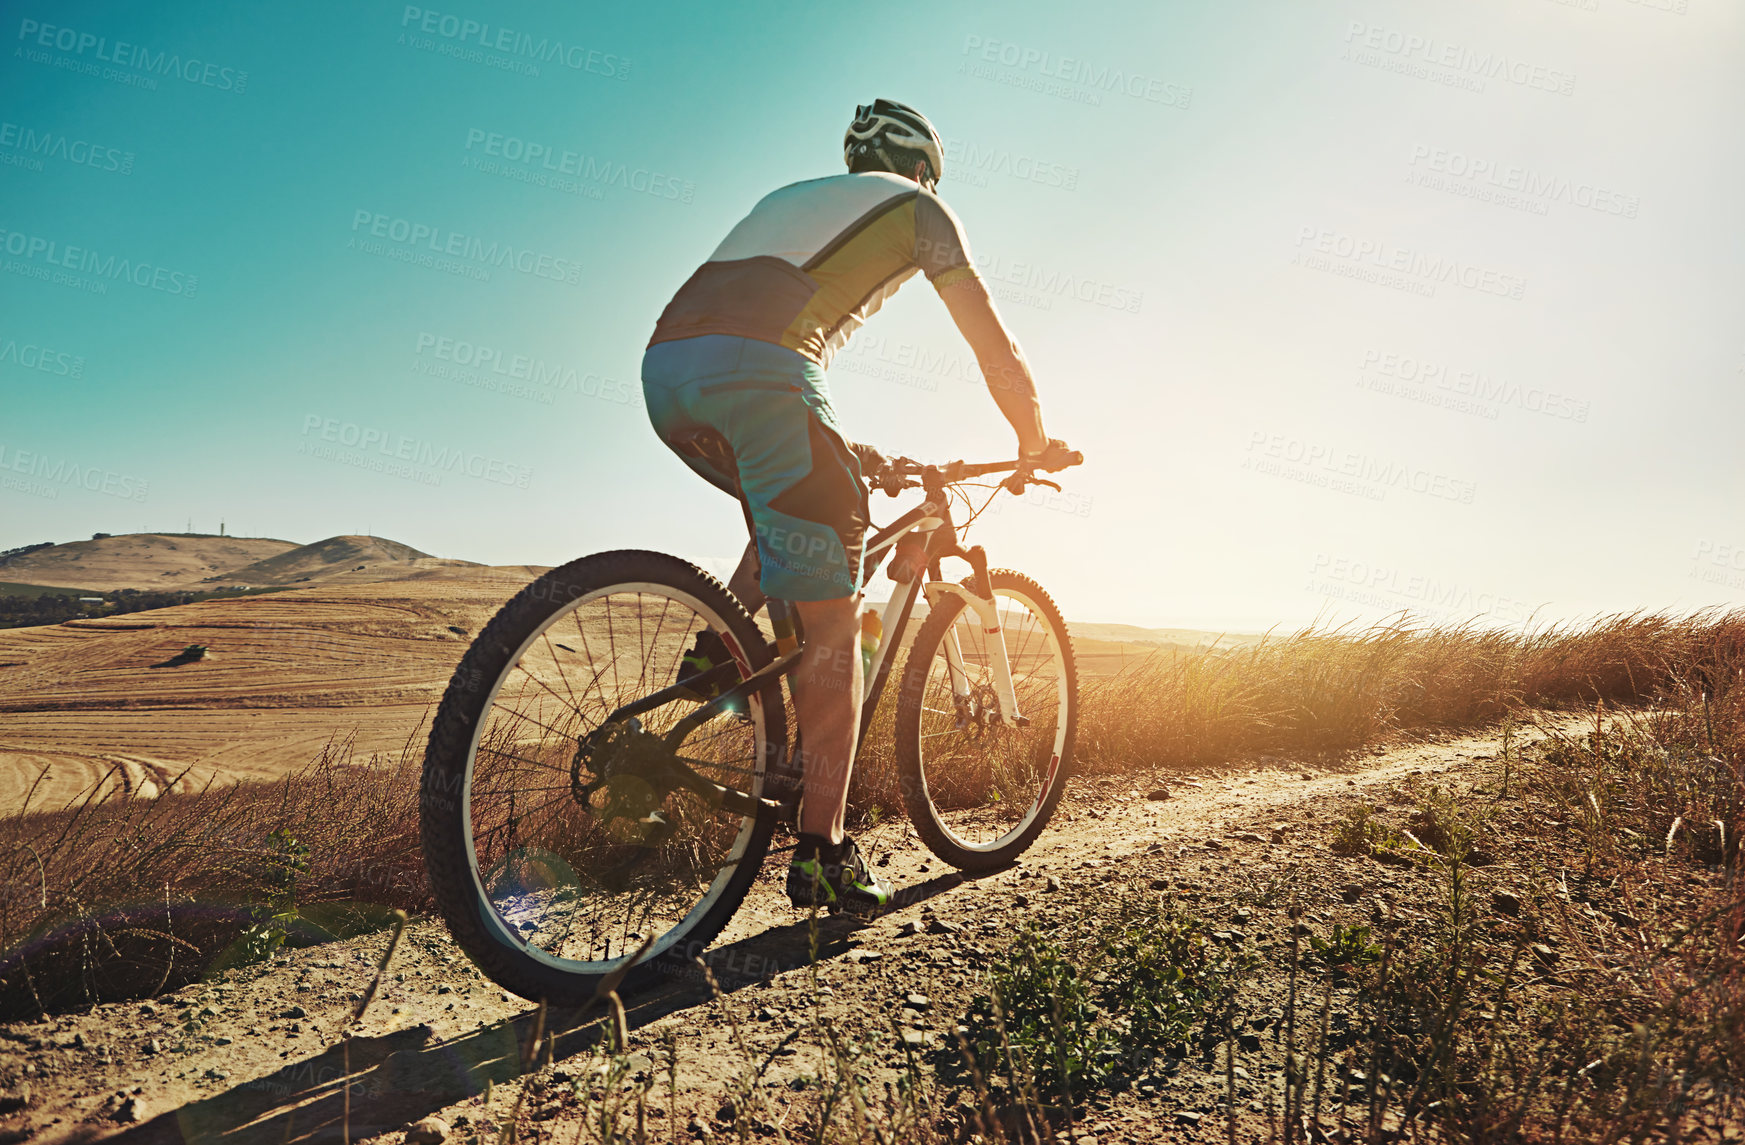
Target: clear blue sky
x=1353, y=305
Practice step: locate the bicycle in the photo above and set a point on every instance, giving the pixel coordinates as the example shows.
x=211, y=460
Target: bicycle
x=580, y=807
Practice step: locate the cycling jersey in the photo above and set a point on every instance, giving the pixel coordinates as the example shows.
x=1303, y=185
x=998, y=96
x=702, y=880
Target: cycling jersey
x=812, y=260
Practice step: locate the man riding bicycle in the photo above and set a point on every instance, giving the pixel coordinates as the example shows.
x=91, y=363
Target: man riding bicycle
x=734, y=381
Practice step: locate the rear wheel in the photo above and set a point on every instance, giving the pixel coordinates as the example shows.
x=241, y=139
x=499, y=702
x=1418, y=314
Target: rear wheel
x=979, y=792
x=555, y=848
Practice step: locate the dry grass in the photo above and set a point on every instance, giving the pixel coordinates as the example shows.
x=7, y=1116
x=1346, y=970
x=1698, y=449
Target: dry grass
x=111, y=897
x=1322, y=690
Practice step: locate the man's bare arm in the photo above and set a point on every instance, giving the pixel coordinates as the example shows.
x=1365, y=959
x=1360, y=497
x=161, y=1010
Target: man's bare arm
x=997, y=352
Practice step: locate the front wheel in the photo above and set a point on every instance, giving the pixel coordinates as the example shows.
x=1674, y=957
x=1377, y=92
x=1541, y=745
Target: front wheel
x=980, y=791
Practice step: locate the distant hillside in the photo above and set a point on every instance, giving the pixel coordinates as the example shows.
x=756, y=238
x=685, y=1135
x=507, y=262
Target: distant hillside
x=140, y=560
x=347, y=559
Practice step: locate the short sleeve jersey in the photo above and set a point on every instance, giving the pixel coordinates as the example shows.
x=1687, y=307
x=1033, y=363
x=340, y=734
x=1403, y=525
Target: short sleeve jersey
x=812, y=260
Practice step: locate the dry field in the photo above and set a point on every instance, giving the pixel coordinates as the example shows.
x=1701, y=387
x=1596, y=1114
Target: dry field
x=284, y=674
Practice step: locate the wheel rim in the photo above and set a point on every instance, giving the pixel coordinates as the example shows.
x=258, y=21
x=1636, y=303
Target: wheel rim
x=986, y=784
x=575, y=889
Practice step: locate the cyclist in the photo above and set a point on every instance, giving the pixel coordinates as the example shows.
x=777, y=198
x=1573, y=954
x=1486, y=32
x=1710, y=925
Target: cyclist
x=734, y=381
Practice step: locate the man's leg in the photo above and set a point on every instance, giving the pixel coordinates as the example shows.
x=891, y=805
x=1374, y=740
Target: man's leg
x=827, y=702
x=744, y=582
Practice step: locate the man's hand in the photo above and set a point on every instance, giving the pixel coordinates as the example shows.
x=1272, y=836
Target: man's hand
x=1055, y=455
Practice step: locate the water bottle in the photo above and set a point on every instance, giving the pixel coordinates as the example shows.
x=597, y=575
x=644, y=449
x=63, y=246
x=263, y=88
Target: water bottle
x=872, y=630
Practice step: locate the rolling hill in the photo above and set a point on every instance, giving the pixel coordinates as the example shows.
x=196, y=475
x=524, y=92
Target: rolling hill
x=347, y=559
x=146, y=561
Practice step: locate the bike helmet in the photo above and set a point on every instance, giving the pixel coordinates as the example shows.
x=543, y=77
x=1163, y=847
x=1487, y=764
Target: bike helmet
x=893, y=135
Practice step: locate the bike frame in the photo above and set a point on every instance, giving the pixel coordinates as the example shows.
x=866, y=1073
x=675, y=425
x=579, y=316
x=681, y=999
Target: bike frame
x=932, y=519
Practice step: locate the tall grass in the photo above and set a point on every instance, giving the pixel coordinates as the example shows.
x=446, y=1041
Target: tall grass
x=116, y=897
x=1339, y=689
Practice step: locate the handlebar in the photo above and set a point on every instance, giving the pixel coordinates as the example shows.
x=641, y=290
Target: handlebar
x=899, y=473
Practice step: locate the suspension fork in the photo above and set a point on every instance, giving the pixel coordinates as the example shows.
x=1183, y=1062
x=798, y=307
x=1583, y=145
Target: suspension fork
x=987, y=613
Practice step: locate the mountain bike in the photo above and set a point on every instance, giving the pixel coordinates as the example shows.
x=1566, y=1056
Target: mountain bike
x=582, y=803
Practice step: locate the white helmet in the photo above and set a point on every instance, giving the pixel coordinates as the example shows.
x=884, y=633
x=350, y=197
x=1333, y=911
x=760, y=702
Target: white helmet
x=884, y=126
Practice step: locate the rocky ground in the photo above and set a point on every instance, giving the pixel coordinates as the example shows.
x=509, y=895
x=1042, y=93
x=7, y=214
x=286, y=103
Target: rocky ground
x=260, y=1056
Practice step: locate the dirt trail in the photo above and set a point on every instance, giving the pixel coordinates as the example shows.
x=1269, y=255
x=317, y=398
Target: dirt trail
x=258, y=1058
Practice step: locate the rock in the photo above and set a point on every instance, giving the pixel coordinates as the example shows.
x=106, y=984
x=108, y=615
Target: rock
x=911, y=927
x=1251, y=836
x=1248, y=1043
x=131, y=1111
x=940, y=926
x=1020, y=900
x=445, y=988
x=294, y=1012
x=429, y=1131
x=1543, y=954
x=1391, y=859
x=1215, y=845
x=1506, y=903
x=919, y=1002
x=1188, y=1117
x=152, y=1046
x=767, y=1014
x=1052, y=884
x=915, y=1039
x=15, y=1099
x=1242, y=916
x=727, y=1112
x=1157, y=794
x=1351, y=892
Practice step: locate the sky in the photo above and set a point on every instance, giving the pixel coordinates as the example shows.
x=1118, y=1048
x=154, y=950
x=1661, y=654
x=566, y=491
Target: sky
x=1352, y=306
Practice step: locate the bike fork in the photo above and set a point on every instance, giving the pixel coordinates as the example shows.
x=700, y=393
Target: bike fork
x=987, y=613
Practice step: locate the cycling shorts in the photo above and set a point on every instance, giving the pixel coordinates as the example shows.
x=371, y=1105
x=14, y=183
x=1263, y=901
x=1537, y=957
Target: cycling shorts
x=754, y=419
